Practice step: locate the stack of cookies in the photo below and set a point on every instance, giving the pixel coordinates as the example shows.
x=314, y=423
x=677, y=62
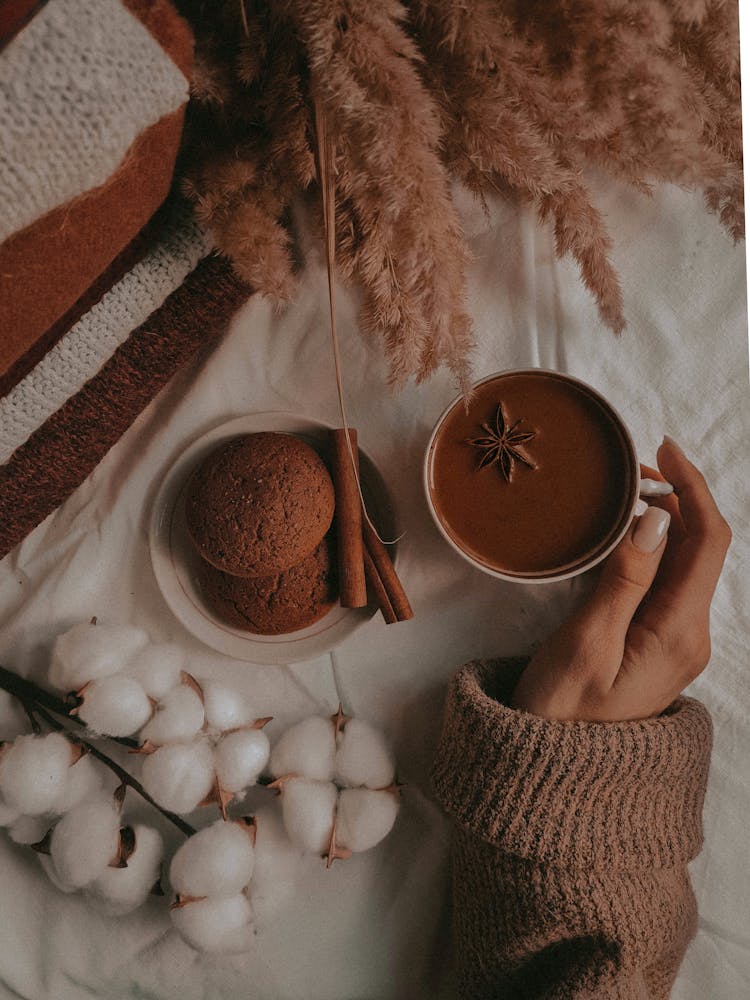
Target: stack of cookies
x=258, y=510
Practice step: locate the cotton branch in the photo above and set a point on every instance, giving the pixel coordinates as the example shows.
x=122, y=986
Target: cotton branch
x=38, y=702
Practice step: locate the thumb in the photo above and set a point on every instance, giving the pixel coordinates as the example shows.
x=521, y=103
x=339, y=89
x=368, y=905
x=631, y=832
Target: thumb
x=626, y=577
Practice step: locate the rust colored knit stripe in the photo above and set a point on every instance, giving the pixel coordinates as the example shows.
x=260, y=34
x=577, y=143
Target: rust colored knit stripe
x=56, y=459
x=124, y=261
x=47, y=267
x=14, y=15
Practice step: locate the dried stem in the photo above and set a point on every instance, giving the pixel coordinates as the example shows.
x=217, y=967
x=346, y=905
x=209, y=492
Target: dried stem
x=38, y=702
x=29, y=692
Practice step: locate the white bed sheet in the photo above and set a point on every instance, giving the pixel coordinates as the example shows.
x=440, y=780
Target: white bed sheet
x=377, y=926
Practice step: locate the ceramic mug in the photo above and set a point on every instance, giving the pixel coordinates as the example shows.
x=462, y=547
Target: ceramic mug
x=537, y=479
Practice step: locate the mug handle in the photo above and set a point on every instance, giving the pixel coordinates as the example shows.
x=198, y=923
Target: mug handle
x=650, y=488
x=655, y=488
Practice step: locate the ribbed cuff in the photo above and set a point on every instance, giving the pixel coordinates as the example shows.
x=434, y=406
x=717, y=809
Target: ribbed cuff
x=602, y=794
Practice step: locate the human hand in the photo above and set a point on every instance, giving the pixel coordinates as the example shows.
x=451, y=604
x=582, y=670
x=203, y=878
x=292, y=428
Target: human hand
x=643, y=635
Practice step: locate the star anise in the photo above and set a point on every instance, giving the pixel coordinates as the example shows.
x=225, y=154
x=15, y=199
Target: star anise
x=501, y=445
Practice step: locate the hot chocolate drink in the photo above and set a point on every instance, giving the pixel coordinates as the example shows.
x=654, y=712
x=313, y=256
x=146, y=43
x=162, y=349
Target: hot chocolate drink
x=535, y=479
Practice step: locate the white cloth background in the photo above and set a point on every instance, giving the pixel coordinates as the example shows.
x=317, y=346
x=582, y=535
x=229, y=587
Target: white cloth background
x=377, y=926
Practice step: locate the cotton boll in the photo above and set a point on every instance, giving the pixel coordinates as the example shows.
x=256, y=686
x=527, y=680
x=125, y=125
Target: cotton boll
x=240, y=757
x=87, y=652
x=179, y=776
x=277, y=864
x=217, y=861
x=225, y=708
x=237, y=941
x=84, y=782
x=308, y=749
x=308, y=809
x=115, y=706
x=84, y=842
x=120, y=890
x=8, y=814
x=33, y=772
x=178, y=718
x=216, y=925
x=29, y=829
x=364, y=817
x=363, y=757
x=46, y=862
x=157, y=668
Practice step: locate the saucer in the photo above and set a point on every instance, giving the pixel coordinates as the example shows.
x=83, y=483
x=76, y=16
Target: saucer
x=176, y=562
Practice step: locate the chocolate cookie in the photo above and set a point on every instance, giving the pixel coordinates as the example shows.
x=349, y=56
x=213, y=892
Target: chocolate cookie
x=275, y=605
x=259, y=504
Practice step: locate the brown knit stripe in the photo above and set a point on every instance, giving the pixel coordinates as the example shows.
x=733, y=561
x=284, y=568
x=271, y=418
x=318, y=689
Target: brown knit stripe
x=66, y=448
x=583, y=793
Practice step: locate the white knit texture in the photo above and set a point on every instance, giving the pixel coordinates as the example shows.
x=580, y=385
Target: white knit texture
x=77, y=86
x=83, y=350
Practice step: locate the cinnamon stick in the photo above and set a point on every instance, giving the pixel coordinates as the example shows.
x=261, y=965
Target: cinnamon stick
x=352, y=586
x=398, y=602
x=378, y=590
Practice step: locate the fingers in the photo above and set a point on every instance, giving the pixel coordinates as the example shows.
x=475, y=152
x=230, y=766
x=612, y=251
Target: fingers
x=675, y=616
x=668, y=503
x=700, y=558
x=630, y=570
x=603, y=622
x=643, y=635
x=697, y=506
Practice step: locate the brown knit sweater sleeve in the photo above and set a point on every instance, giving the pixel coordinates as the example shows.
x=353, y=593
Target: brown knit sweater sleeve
x=571, y=843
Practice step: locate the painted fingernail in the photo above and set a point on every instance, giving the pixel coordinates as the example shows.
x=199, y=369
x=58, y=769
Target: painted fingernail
x=640, y=508
x=651, y=529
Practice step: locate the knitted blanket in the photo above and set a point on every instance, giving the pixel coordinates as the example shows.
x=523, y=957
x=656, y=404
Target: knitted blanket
x=59, y=421
x=103, y=295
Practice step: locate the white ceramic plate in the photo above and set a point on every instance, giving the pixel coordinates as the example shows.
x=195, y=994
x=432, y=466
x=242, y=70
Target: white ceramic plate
x=175, y=560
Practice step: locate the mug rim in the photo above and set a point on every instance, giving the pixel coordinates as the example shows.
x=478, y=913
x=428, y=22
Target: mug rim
x=565, y=573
